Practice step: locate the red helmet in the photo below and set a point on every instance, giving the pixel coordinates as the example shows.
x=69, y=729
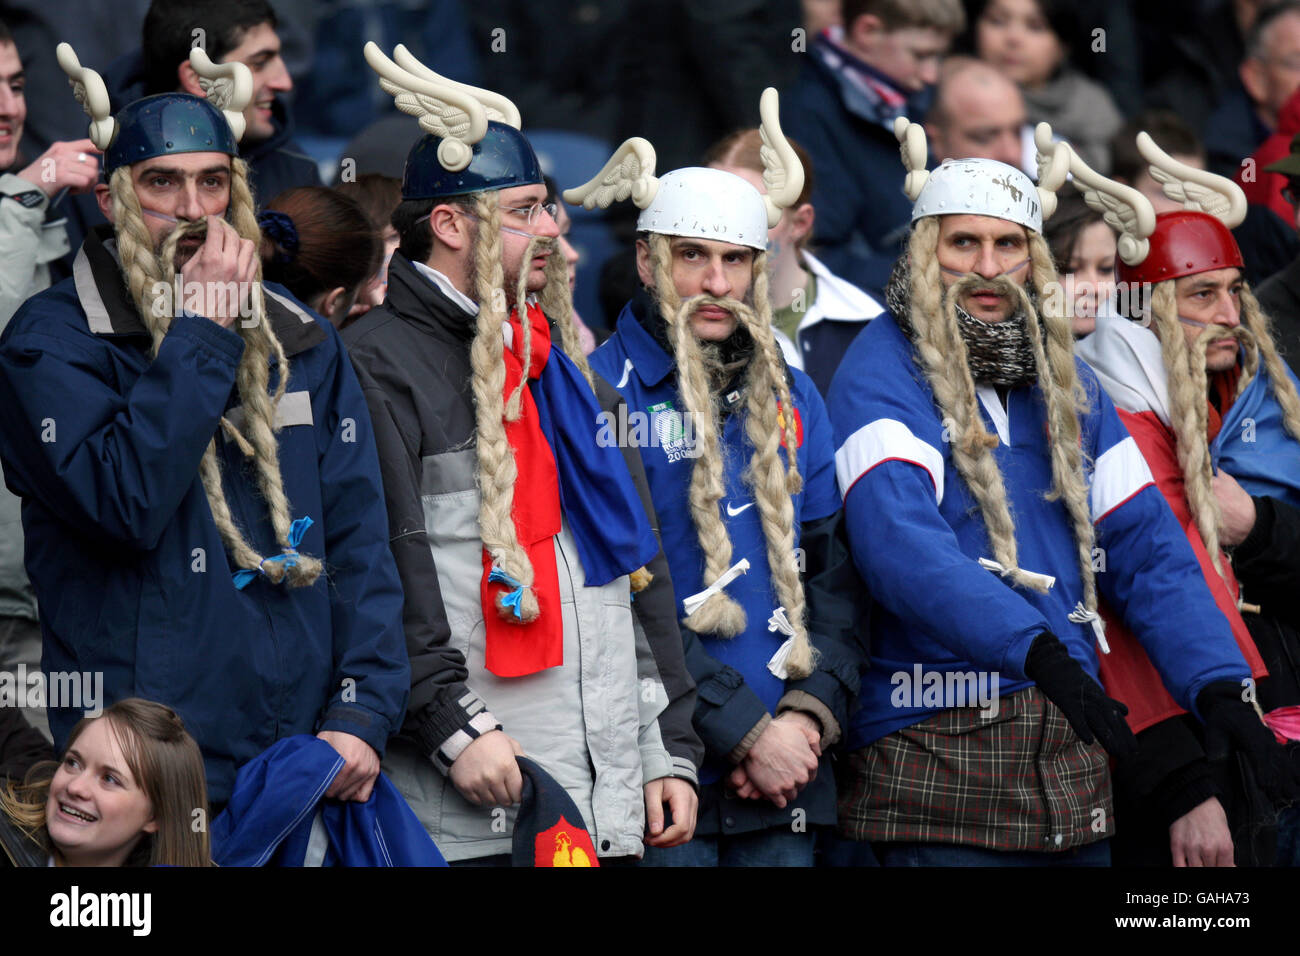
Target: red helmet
x=1184, y=244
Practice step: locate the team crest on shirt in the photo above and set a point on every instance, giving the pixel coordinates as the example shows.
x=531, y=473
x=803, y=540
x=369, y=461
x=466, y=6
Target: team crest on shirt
x=673, y=432
x=798, y=426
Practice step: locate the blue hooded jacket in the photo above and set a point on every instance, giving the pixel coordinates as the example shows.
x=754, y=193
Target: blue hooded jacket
x=131, y=575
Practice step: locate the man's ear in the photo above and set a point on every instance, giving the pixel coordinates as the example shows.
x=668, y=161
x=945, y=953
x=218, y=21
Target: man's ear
x=644, y=270
x=188, y=79
x=105, y=201
x=864, y=30
x=449, y=227
x=331, y=301
x=801, y=221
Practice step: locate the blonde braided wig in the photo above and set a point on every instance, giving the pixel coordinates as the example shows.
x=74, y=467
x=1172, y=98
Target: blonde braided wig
x=769, y=421
x=942, y=355
x=143, y=269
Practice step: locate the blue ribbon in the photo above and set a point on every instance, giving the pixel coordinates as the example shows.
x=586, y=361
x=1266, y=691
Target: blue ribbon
x=289, y=557
x=512, y=599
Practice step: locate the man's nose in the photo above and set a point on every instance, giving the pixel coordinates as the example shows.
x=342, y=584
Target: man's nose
x=188, y=205
x=987, y=264
x=279, y=80
x=1228, y=314
x=716, y=282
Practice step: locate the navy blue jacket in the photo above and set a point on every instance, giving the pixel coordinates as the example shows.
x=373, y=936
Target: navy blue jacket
x=130, y=573
x=862, y=213
x=734, y=687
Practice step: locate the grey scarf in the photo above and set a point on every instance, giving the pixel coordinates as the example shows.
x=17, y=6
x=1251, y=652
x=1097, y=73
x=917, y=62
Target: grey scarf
x=997, y=353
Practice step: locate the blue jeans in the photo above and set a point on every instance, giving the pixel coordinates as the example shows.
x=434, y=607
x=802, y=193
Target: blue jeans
x=760, y=848
x=947, y=854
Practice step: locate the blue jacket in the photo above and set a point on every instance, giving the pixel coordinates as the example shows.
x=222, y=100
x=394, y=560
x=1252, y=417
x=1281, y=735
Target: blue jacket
x=277, y=816
x=735, y=687
x=130, y=573
x=917, y=536
x=862, y=213
x=1254, y=446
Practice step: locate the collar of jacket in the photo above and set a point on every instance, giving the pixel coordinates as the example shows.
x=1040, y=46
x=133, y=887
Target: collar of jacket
x=416, y=299
x=858, y=97
x=110, y=310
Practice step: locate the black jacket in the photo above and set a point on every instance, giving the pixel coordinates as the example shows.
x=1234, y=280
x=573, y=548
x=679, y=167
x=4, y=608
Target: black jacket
x=1279, y=297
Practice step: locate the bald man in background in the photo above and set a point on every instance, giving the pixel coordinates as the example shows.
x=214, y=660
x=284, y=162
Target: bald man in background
x=978, y=112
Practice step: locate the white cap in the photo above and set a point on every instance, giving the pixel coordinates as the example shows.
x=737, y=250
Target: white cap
x=980, y=187
x=707, y=204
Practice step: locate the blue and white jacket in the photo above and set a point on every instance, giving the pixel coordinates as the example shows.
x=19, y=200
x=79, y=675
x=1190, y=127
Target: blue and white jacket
x=735, y=687
x=918, y=536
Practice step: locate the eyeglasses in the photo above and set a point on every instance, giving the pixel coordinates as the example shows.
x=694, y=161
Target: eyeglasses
x=531, y=214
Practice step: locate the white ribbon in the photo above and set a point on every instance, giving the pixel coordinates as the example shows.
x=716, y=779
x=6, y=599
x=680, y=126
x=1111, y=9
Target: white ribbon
x=692, y=604
x=779, y=623
x=1046, y=580
x=1081, y=615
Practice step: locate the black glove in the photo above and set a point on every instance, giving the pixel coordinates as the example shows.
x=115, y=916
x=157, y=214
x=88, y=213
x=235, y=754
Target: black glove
x=1232, y=724
x=1085, y=705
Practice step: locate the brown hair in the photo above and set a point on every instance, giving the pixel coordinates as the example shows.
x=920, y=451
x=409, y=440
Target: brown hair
x=1170, y=132
x=743, y=149
x=946, y=16
x=377, y=195
x=166, y=764
x=1067, y=224
x=337, y=245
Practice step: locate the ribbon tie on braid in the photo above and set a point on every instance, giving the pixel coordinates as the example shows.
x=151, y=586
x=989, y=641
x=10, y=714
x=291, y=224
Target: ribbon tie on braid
x=514, y=596
x=287, y=559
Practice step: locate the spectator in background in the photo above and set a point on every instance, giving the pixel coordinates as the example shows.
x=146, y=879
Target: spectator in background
x=1269, y=74
x=1258, y=180
x=1267, y=242
x=1031, y=42
x=29, y=243
x=856, y=80
x=815, y=313
x=978, y=112
x=321, y=246
x=378, y=196
x=1279, y=295
x=241, y=30
x=1191, y=52
x=1083, y=249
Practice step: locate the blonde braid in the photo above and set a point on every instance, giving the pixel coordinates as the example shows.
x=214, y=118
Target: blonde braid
x=140, y=265
x=497, y=471
x=1188, y=416
x=515, y=403
x=1284, y=390
x=760, y=330
x=557, y=303
x=720, y=614
x=769, y=477
x=1058, y=380
x=251, y=379
x=943, y=356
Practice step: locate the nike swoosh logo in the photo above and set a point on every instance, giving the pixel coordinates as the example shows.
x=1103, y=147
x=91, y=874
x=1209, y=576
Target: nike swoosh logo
x=732, y=512
x=627, y=370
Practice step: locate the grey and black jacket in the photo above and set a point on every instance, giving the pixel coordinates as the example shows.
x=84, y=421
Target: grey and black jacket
x=616, y=715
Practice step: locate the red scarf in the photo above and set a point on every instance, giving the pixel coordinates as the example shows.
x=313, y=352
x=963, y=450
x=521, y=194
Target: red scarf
x=1224, y=386
x=515, y=649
